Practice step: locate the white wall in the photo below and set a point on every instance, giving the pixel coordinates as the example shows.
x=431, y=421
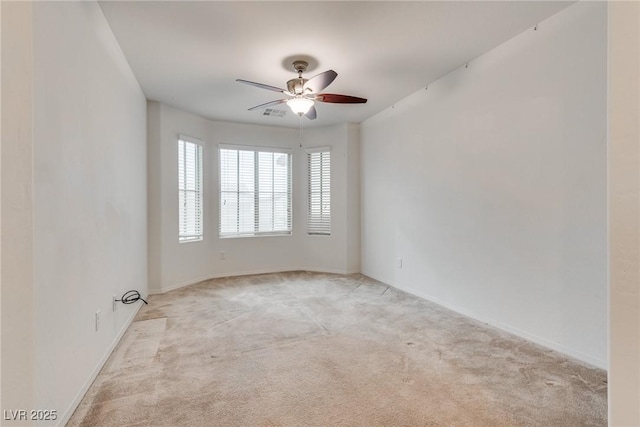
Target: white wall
x=173, y=264
x=339, y=252
x=16, y=224
x=491, y=186
x=78, y=163
x=624, y=213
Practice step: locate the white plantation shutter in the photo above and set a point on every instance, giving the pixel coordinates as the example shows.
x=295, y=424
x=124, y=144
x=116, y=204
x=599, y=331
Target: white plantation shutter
x=189, y=189
x=255, y=191
x=319, y=179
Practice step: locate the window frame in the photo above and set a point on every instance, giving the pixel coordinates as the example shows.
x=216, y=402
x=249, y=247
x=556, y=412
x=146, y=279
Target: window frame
x=317, y=230
x=198, y=237
x=256, y=150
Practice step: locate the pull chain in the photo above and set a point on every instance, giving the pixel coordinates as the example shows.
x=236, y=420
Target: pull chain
x=301, y=131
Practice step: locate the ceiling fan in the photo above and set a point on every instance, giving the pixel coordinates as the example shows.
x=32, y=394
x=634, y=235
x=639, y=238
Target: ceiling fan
x=301, y=94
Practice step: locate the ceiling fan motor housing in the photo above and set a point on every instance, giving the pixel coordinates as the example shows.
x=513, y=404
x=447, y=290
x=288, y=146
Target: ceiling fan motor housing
x=296, y=86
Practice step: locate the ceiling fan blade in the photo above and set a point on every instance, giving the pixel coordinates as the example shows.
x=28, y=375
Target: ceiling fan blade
x=339, y=99
x=260, y=85
x=268, y=104
x=312, y=113
x=320, y=82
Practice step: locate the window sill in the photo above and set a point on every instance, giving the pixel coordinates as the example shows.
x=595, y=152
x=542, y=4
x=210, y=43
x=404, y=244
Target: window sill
x=190, y=240
x=243, y=236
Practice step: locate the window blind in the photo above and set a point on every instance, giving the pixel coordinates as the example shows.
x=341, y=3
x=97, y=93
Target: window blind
x=189, y=190
x=255, y=191
x=319, y=186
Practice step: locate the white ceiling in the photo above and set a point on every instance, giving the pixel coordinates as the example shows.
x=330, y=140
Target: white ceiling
x=188, y=54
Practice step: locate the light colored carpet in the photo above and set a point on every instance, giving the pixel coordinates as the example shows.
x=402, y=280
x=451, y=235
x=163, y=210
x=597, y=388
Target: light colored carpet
x=310, y=349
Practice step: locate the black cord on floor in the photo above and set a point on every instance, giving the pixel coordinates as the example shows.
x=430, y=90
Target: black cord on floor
x=130, y=297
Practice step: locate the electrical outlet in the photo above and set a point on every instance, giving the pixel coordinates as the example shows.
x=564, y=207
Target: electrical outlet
x=223, y=255
x=98, y=320
x=399, y=262
x=114, y=303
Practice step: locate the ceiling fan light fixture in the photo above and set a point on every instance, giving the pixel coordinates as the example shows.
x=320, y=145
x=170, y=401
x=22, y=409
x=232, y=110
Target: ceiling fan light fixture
x=300, y=106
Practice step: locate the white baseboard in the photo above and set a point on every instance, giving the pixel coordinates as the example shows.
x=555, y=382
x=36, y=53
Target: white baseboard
x=168, y=288
x=328, y=270
x=515, y=331
x=74, y=404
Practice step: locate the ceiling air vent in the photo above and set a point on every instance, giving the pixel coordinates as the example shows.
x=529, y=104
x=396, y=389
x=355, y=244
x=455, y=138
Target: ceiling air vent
x=274, y=112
